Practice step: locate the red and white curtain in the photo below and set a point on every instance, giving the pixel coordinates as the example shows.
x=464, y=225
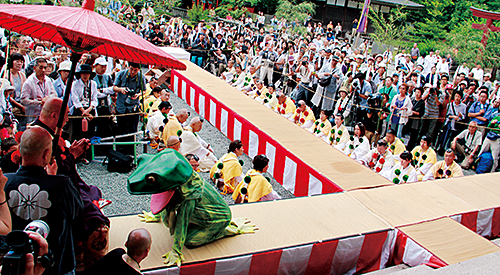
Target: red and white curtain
x=286, y=168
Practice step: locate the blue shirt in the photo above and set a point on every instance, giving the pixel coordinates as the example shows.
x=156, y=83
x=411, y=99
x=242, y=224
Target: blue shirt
x=476, y=107
x=367, y=90
x=136, y=84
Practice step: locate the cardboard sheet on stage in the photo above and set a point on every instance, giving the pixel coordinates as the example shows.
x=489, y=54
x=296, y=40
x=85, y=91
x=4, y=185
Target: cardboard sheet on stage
x=281, y=224
x=449, y=240
x=322, y=157
x=478, y=190
x=411, y=203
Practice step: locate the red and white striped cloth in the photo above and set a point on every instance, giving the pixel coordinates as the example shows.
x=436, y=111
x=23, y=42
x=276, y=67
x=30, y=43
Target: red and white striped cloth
x=286, y=168
x=485, y=222
x=411, y=253
x=358, y=254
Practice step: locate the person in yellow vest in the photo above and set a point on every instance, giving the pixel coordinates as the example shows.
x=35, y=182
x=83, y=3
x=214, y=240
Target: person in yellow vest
x=148, y=102
x=254, y=186
x=379, y=159
x=227, y=172
x=303, y=116
x=258, y=91
x=403, y=172
x=321, y=127
x=285, y=106
x=269, y=99
x=153, y=83
x=339, y=136
x=394, y=144
x=446, y=168
x=164, y=96
x=358, y=145
x=175, y=124
x=423, y=157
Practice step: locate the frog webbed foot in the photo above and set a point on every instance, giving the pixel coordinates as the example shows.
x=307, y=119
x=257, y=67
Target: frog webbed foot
x=173, y=258
x=240, y=226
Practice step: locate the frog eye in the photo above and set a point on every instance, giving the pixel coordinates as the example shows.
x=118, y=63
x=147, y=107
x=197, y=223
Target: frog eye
x=150, y=179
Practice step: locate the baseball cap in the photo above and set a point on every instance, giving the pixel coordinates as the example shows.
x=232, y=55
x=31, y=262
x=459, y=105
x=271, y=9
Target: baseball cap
x=101, y=61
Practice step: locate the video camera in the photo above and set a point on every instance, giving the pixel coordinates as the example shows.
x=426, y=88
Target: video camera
x=356, y=84
x=17, y=244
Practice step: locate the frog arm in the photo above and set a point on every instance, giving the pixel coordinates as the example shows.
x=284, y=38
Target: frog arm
x=184, y=213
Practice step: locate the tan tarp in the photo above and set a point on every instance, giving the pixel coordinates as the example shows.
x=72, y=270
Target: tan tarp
x=291, y=222
x=333, y=164
x=411, y=203
x=449, y=240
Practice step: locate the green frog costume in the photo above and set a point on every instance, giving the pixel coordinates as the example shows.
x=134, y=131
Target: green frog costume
x=193, y=210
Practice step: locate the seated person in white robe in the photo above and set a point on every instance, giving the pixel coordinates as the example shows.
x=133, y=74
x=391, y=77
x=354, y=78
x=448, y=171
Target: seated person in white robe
x=403, y=172
x=358, y=145
x=156, y=121
x=192, y=143
x=379, y=159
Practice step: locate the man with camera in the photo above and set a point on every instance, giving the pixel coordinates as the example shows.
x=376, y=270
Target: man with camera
x=34, y=193
x=305, y=72
x=129, y=84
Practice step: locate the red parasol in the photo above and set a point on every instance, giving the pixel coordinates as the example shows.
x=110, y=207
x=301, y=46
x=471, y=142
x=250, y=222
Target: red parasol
x=82, y=30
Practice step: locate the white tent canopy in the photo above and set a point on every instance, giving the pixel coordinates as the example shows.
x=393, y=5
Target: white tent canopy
x=178, y=53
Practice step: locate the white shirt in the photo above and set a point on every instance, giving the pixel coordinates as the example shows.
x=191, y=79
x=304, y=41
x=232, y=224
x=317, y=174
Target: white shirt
x=478, y=74
x=77, y=94
x=33, y=91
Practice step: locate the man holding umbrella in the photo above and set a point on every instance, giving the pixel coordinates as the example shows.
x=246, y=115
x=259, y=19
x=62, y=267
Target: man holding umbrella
x=129, y=84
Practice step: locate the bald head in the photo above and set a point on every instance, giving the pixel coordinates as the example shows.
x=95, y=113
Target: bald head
x=50, y=112
x=196, y=124
x=174, y=142
x=182, y=115
x=138, y=244
x=36, y=147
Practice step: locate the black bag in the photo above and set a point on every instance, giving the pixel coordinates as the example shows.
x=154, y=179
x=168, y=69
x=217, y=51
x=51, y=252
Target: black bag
x=118, y=162
x=324, y=82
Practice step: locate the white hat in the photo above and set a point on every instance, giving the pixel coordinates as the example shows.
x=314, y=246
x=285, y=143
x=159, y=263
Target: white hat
x=101, y=61
x=427, y=85
x=64, y=66
x=463, y=82
x=487, y=75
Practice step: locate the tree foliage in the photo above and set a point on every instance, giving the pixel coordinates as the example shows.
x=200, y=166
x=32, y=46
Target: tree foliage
x=390, y=29
x=196, y=13
x=292, y=11
x=234, y=8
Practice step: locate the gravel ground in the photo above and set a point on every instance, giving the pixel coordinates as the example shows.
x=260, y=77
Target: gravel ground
x=114, y=185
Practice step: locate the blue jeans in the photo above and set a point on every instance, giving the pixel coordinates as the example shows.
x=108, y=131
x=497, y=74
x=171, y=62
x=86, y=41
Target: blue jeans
x=198, y=60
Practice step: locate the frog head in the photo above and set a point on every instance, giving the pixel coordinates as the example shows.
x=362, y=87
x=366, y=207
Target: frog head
x=159, y=173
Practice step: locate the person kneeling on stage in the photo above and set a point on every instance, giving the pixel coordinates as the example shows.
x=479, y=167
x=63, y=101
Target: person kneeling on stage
x=254, y=186
x=358, y=145
x=339, y=136
x=379, y=159
x=446, y=168
x=321, y=127
x=227, y=172
x=303, y=116
x=158, y=119
x=118, y=261
x=285, y=106
x=424, y=157
x=192, y=143
x=403, y=172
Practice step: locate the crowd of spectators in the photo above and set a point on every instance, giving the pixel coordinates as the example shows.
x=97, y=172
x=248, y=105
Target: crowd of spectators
x=393, y=114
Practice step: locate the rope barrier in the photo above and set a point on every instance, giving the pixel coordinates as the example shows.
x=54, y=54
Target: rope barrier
x=380, y=110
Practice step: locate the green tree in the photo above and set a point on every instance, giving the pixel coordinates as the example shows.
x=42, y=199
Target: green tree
x=196, y=13
x=390, y=29
x=234, y=8
x=292, y=11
